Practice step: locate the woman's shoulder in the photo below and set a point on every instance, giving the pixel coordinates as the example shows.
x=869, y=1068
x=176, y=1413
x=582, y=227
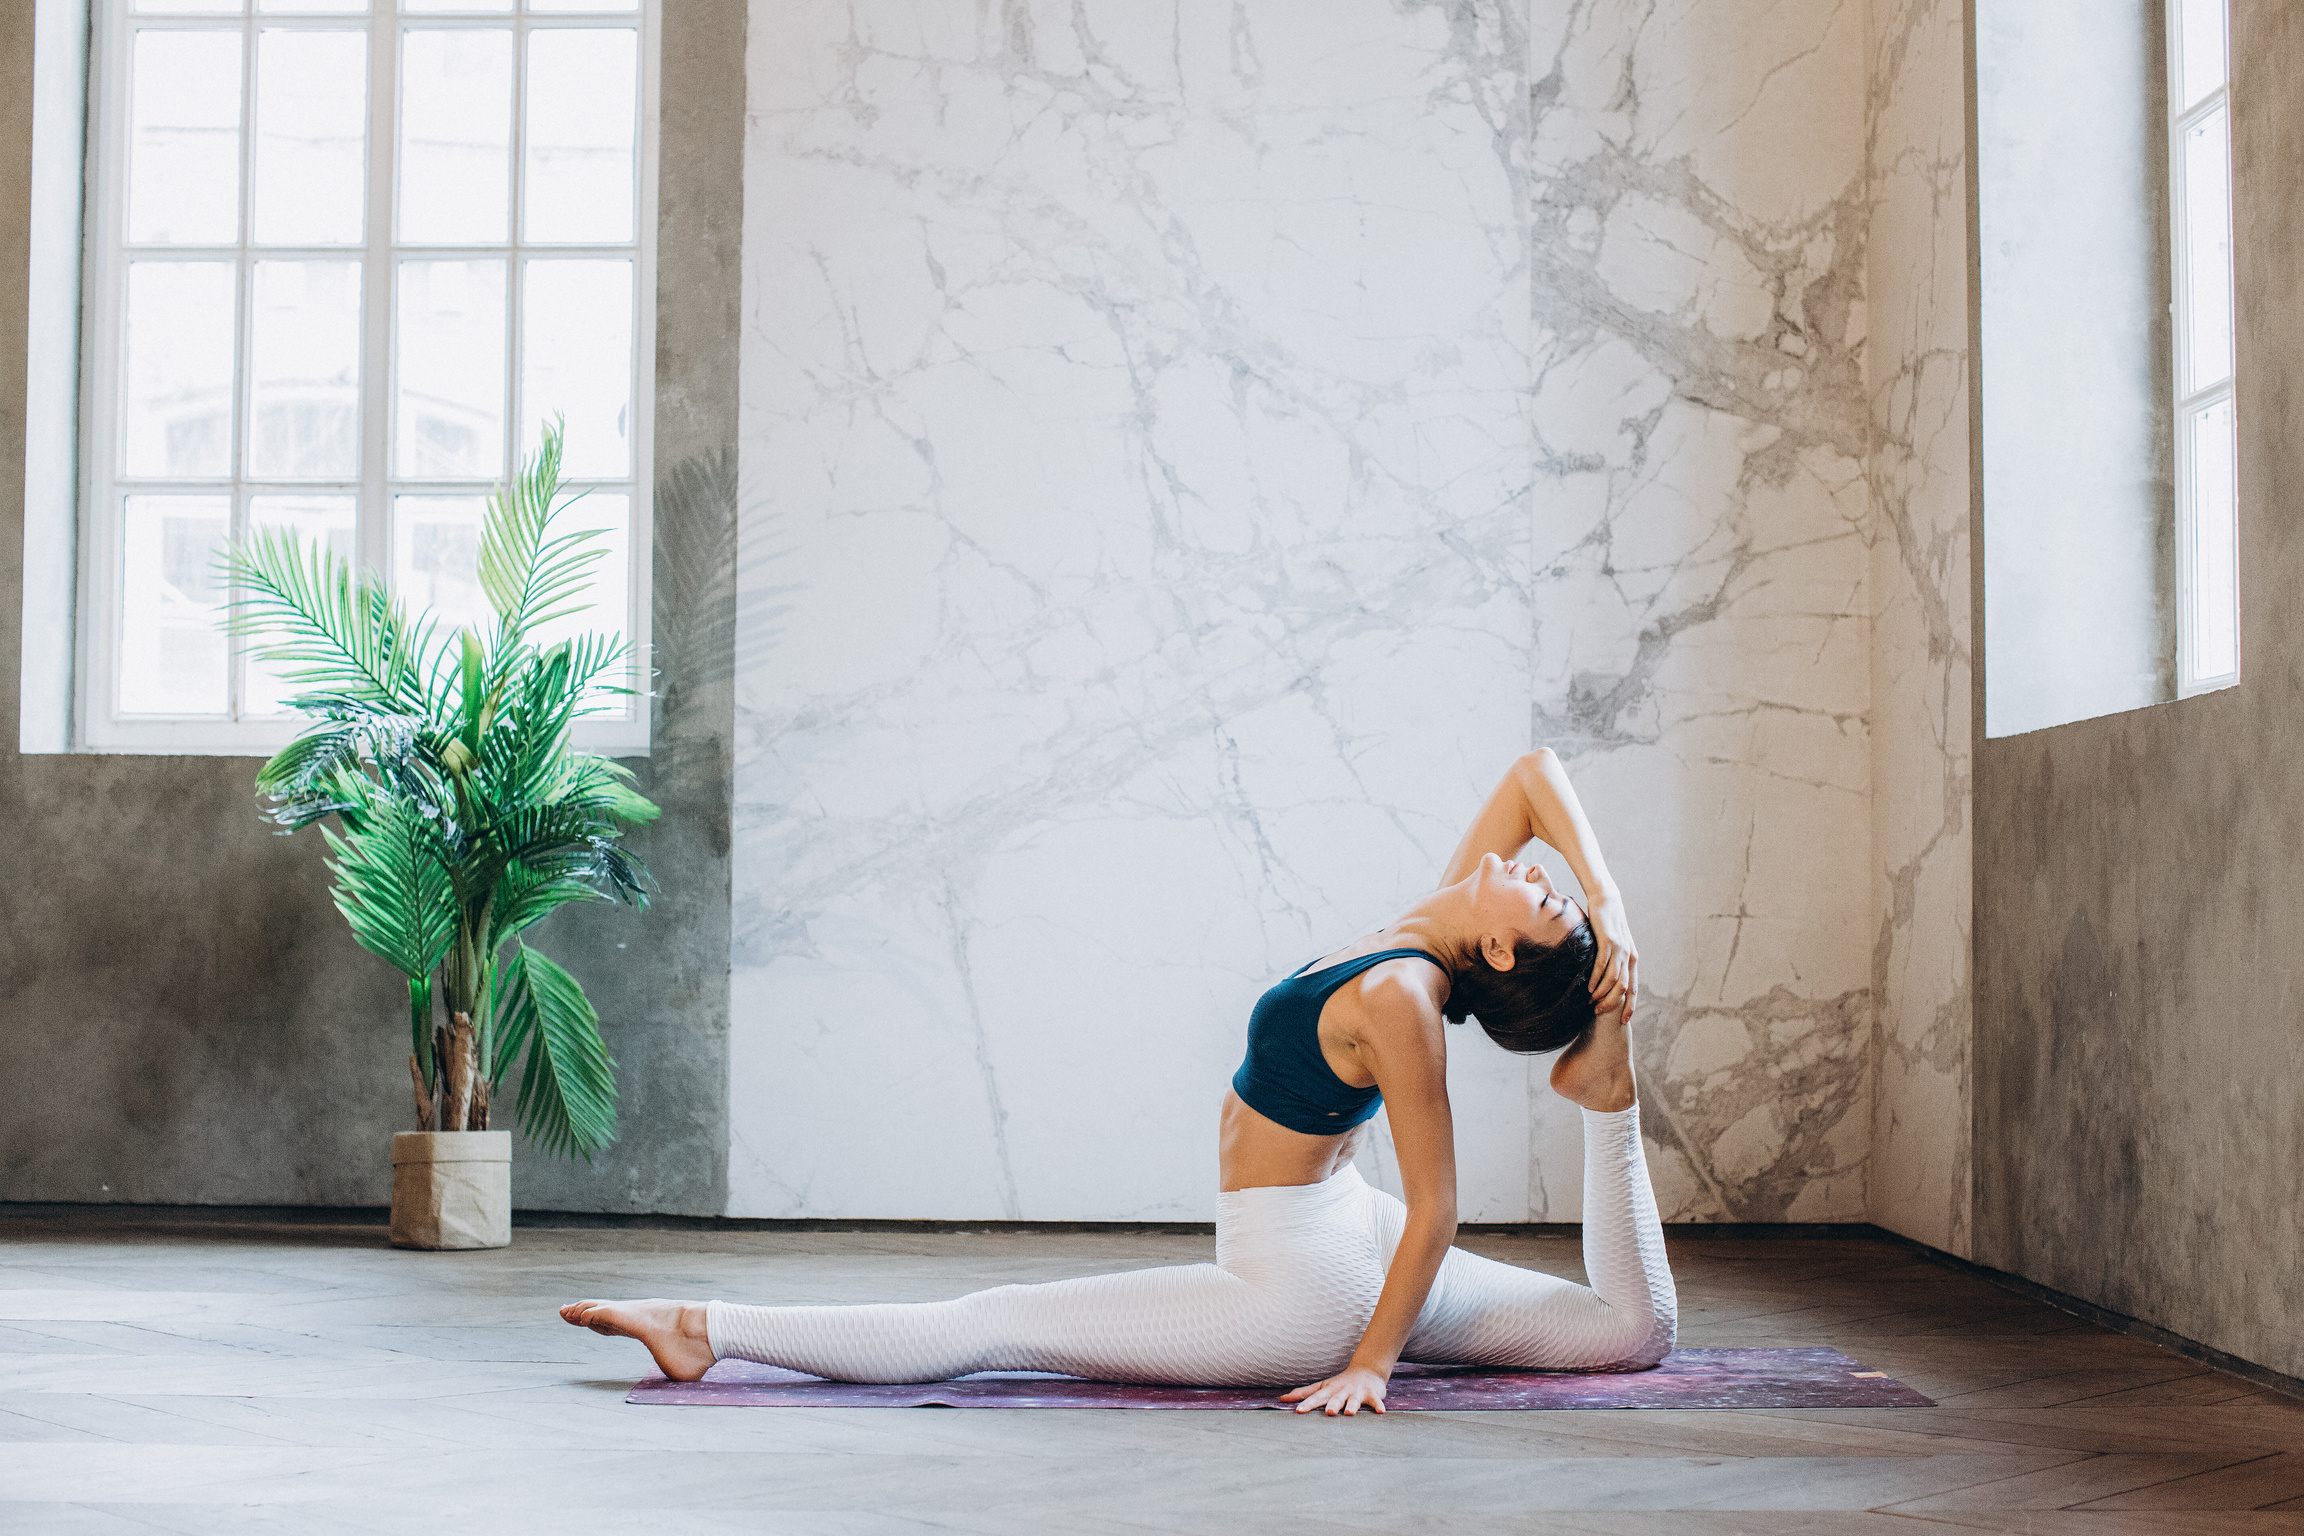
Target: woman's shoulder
x=1402, y=990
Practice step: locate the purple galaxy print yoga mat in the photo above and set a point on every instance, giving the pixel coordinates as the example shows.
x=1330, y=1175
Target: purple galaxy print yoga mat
x=1688, y=1378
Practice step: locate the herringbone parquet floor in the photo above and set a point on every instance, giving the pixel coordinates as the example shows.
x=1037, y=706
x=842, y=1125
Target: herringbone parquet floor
x=312, y=1380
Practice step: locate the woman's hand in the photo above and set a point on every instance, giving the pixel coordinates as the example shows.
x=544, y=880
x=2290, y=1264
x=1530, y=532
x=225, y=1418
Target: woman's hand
x=1616, y=973
x=1345, y=1392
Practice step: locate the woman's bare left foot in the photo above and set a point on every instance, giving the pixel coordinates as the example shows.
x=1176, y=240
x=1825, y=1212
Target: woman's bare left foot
x=1596, y=1072
x=674, y=1331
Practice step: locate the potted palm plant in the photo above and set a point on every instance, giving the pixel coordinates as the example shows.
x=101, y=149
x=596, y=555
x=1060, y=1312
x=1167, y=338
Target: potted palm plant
x=464, y=817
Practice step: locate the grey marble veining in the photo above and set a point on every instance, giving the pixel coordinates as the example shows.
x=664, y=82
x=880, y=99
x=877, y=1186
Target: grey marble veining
x=1136, y=459
x=1702, y=517
x=1189, y=448
x=1923, y=760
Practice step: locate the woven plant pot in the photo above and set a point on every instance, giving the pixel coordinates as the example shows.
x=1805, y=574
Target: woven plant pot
x=452, y=1189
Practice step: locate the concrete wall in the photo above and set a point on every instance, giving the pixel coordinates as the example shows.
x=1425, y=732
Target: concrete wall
x=2140, y=1071
x=184, y=1016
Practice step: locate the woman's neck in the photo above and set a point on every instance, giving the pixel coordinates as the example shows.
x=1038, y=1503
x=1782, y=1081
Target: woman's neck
x=1430, y=926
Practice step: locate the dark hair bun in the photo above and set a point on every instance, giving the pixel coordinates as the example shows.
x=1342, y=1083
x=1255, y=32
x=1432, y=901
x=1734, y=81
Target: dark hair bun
x=1543, y=1003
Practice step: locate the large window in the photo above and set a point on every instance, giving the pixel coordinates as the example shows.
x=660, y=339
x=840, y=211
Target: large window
x=2200, y=208
x=345, y=258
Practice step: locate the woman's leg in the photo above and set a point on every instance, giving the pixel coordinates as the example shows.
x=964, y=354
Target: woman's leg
x=1190, y=1323
x=1485, y=1313
x=1296, y=1278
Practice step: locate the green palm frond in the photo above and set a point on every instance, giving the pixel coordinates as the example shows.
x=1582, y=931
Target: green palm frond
x=568, y=1082
x=338, y=636
x=320, y=773
x=533, y=890
x=392, y=888
x=530, y=574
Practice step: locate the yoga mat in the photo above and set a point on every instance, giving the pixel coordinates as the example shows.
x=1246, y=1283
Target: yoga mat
x=1688, y=1378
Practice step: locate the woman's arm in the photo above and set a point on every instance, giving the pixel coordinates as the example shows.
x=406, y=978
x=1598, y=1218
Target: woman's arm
x=1405, y=1046
x=1535, y=800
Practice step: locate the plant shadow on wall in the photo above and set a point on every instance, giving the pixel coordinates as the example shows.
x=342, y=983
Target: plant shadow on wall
x=464, y=814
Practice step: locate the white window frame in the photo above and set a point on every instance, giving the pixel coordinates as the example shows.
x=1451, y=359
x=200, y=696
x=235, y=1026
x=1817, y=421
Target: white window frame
x=98, y=725
x=2181, y=121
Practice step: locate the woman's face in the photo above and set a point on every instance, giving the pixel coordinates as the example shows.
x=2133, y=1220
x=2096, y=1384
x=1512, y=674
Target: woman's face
x=1511, y=901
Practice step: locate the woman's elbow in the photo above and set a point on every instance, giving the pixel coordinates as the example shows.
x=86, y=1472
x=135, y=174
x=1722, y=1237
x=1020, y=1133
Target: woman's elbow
x=1435, y=1225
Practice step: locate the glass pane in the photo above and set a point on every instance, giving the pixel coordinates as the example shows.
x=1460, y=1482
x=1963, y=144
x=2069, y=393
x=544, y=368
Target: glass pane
x=187, y=7
x=2207, y=235
x=330, y=6
x=304, y=371
x=184, y=138
x=311, y=137
x=449, y=407
x=583, y=5
x=455, y=5
x=172, y=652
x=436, y=559
x=455, y=137
x=581, y=101
x=576, y=362
x=176, y=406
x=2201, y=42
x=315, y=520
x=2215, y=545
x=611, y=513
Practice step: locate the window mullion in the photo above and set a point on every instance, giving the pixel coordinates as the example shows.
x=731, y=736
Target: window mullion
x=2206, y=517
x=372, y=525
x=243, y=421
x=2206, y=106
x=515, y=277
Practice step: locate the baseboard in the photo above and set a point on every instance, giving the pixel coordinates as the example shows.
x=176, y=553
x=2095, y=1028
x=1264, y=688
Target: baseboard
x=126, y=1215
x=96, y=1215
x=2105, y=1317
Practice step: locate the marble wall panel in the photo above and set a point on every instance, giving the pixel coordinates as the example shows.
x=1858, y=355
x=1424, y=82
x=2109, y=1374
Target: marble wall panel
x=1188, y=448
x=1134, y=569
x=1702, y=524
x=1923, y=762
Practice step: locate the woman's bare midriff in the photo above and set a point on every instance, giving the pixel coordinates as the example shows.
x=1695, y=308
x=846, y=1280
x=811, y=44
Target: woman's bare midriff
x=1253, y=1152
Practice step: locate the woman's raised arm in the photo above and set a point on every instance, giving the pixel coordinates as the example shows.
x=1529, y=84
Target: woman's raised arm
x=1535, y=800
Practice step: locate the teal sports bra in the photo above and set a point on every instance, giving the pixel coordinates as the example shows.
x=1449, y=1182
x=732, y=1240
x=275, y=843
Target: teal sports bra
x=1285, y=1078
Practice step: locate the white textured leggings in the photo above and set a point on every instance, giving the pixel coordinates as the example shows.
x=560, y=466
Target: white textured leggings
x=1297, y=1272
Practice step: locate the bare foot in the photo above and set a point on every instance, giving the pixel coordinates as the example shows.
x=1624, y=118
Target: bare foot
x=1596, y=1072
x=673, y=1331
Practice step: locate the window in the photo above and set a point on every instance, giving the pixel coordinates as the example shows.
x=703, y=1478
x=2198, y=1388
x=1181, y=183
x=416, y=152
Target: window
x=345, y=257
x=2200, y=210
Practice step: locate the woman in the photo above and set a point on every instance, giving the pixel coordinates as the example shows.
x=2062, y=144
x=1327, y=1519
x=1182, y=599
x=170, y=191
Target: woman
x=1319, y=1278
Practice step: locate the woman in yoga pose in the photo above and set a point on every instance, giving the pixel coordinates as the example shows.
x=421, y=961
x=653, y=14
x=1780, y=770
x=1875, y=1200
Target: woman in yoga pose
x=1320, y=1278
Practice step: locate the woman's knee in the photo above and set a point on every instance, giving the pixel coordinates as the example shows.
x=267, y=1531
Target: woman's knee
x=1649, y=1338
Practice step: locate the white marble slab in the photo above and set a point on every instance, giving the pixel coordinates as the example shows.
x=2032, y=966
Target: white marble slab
x=1189, y=448
x=1702, y=521
x=1135, y=480
x=1921, y=698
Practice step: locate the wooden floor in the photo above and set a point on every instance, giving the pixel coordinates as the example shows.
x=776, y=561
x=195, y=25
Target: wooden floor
x=313, y=1380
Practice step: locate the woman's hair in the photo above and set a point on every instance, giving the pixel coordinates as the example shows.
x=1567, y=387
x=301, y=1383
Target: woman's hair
x=1543, y=1003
